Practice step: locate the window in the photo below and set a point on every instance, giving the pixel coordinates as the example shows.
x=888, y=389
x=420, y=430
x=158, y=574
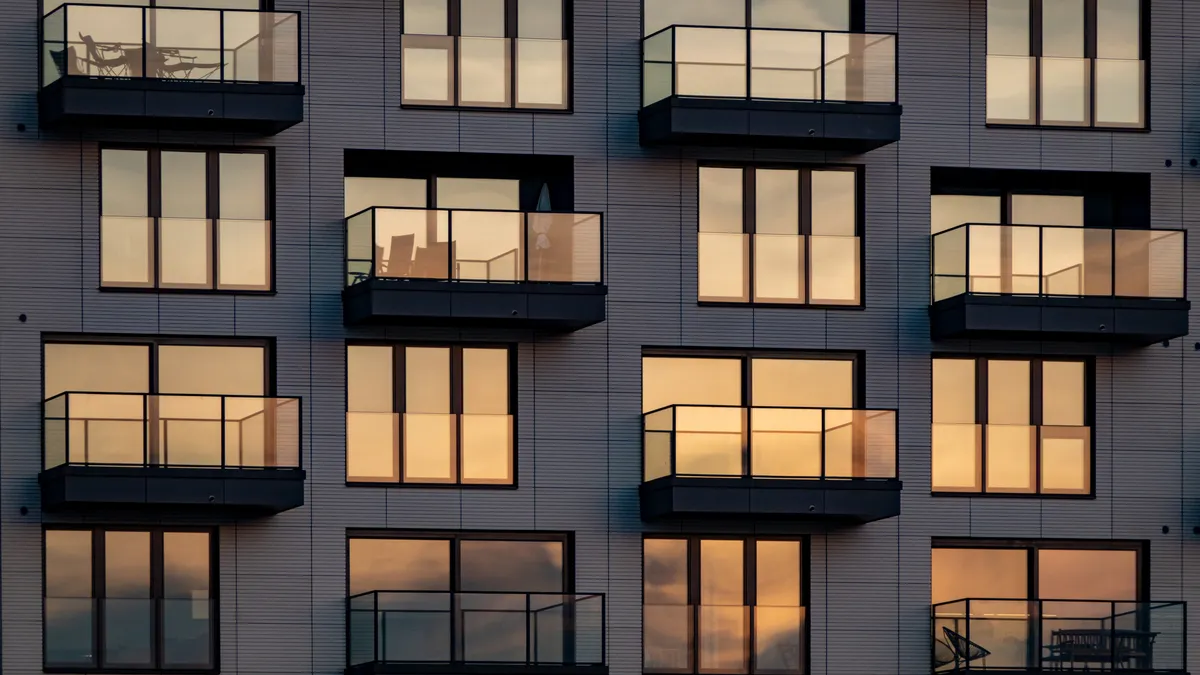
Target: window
x=1023, y=597
x=795, y=14
x=183, y=219
x=1012, y=425
x=1076, y=63
x=118, y=599
x=51, y=5
x=761, y=415
x=429, y=414
x=779, y=236
x=486, y=53
x=460, y=598
x=724, y=605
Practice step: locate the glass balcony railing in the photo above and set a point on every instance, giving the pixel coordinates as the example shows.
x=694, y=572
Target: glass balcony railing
x=210, y=45
x=179, y=630
x=715, y=638
x=176, y=430
x=769, y=63
x=790, y=443
x=441, y=627
x=1044, y=260
x=474, y=245
x=996, y=635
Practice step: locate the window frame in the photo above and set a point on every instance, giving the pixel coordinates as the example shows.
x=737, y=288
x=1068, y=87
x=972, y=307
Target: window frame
x=456, y=402
x=749, y=224
x=212, y=214
x=454, y=30
x=157, y=565
x=1035, y=36
x=1035, y=418
x=748, y=356
x=749, y=592
x=154, y=342
x=1032, y=546
x=456, y=537
x=858, y=17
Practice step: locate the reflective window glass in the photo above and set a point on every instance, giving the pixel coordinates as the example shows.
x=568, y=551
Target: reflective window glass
x=1062, y=28
x=542, y=19
x=949, y=211
x=959, y=573
x=776, y=201
x=478, y=193
x=1047, y=210
x=96, y=368
x=1008, y=28
x=511, y=566
x=665, y=572
x=152, y=610
x=721, y=200
x=699, y=381
x=802, y=383
x=1071, y=574
x=833, y=203
x=243, y=186
x=658, y=14
x=364, y=193
x=184, y=184
x=399, y=564
x=1063, y=393
x=125, y=183
x=801, y=14
x=1118, y=29
x=196, y=369
x=426, y=17
x=482, y=18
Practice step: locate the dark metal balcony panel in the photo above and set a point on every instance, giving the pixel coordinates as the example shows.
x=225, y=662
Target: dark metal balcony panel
x=380, y=668
x=812, y=125
x=546, y=306
x=260, y=108
x=847, y=502
x=234, y=491
x=1134, y=322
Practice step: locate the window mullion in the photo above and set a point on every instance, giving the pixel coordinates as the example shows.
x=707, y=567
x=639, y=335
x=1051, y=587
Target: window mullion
x=400, y=405
x=981, y=415
x=213, y=211
x=157, y=595
x=1035, y=419
x=749, y=227
x=99, y=590
x=456, y=407
x=805, y=229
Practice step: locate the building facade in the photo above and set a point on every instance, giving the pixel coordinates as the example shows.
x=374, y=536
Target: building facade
x=567, y=337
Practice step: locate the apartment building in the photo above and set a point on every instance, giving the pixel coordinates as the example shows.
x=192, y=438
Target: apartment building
x=577, y=337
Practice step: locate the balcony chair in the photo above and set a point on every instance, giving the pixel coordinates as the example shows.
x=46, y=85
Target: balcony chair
x=110, y=66
x=963, y=649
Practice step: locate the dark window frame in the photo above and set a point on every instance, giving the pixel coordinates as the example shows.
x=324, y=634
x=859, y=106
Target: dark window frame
x=212, y=213
x=749, y=222
x=1032, y=546
x=456, y=404
x=747, y=357
x=1089, y=52
x=1035, y=419
x=157, y=564
x=749, y=592
x=154, y=342
x=454, y=30
x=567, y=539
x=263, y=6
x=858, y=17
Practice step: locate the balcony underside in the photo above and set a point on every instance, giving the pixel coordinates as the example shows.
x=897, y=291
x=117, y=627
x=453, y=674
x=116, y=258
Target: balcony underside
x=233, y=492
x=544, y=306
x=811, y=125
x=1134, y=322
x=259, y=108
x=847, y=502
x=1056, y=669
x=392, y=668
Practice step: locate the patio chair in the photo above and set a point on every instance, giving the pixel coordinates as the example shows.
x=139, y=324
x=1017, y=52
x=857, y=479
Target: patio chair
x=106, y=66
x=964, y=650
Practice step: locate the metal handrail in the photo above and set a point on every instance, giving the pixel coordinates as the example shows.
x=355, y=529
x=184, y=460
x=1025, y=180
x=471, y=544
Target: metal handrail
x=358, y=269
x=567, y=627
x=859, y=442
x=963, y=254
x=825, y=63
x=145, y=45
x=154, y=426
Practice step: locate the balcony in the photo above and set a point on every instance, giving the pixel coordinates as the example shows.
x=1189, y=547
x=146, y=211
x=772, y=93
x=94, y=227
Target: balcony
x=831, y=465
x=235, y=455
x=819, y=90
x=204, y=69
x=439, y=632
x=1040, y=282
x=1043, y=636
x=462, y=267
